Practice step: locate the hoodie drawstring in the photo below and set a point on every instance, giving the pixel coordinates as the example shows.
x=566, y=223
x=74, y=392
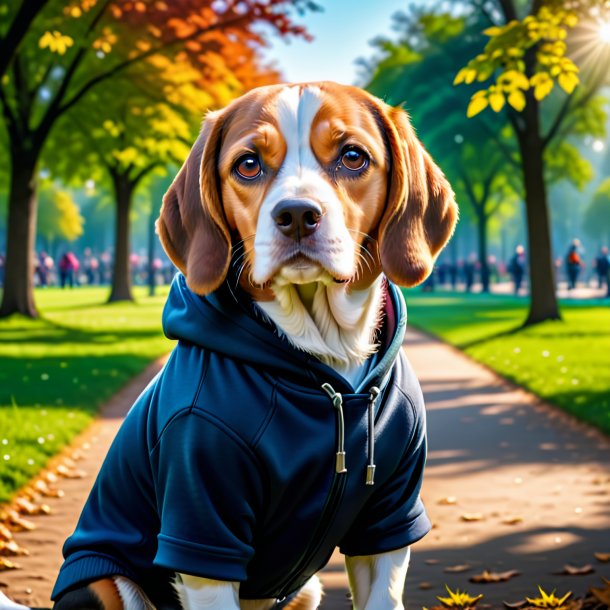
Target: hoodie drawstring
x=370, y=469
x=337, y=401
x=338, y=404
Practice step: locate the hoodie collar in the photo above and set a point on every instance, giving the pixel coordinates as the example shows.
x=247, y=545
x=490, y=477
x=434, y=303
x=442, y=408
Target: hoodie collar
x=227, y=321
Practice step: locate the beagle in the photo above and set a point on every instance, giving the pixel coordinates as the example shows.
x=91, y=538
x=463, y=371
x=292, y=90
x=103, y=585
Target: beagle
x=307, y=197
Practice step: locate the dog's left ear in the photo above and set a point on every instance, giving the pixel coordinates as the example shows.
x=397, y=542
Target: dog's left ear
x=421, y=211
x=192, y=225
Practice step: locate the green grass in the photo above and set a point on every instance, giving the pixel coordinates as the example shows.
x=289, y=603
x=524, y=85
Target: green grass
x=55, y=372
x=565, y=362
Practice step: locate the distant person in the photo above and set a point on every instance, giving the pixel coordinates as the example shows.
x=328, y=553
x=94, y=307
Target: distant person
x=41, y=270
x=573, y=264
x=602, y=267
x=90, y=265
x=452, y=270
x=68, y=268
x=469, y=271
x=516, y=267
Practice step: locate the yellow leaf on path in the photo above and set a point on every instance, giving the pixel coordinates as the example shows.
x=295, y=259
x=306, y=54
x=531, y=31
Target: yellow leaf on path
x=476, y=105
x=548, y=600
x=12, y=549
x=517, y=100
x=603, y=557
x=448, y=501
x=7, y=564
x=470, y=517
x=512, y=520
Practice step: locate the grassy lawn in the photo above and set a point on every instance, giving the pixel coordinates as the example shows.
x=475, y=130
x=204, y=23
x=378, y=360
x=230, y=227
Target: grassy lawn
x=566, y=363
x=56, y=371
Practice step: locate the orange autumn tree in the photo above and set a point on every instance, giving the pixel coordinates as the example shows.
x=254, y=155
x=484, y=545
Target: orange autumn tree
x=70, y=49
x=144, y=130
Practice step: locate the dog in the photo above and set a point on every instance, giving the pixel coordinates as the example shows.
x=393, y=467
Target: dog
x=287, y=421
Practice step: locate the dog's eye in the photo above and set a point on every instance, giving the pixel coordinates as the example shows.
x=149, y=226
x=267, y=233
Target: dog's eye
x=354, y=158
x=248, y=167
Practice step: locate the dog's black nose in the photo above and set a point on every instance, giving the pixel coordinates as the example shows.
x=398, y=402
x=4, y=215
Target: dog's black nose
x=297, y=218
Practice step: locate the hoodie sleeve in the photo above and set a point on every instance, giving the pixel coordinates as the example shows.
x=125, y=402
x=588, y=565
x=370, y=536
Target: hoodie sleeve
x=208, y=492
x=394, y=516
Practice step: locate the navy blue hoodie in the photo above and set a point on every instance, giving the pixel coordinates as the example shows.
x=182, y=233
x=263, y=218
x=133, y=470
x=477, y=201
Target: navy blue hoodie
x=226, y=465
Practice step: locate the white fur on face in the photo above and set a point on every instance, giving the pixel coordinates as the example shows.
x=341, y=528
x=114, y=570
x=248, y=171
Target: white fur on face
x=302, y=177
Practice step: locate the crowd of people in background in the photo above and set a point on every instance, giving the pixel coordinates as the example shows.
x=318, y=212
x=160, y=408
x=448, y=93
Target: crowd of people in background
x=465, y=274
x=92, y=269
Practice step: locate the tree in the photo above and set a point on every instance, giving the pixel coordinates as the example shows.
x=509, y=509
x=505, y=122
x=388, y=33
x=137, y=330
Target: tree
x=68, y=50
x=597, y=216
x=474, y=155
x=532, y=47
x=59, y=217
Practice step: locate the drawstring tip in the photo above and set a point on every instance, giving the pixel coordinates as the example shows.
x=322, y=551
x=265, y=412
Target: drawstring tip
x=340, y=462
x=370, y=474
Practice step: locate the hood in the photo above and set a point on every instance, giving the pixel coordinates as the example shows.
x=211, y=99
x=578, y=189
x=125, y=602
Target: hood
x=228, y=322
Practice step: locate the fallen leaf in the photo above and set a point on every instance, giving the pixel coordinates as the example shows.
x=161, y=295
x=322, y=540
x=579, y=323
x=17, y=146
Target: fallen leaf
x=431, y=562
x=469, y=517
x=602, y=595
x=68, y=473
x=448, y=501
x=603, y=557
x=7, y=564
x=5, y=533
x=458, y=599
x=488, y=577
x=515, y=605
x=426, y=586
x=569, y=570
x=51, y=477
x=464, y=567
x=512, y=520
x=17, y=523
x=25, y=507
x=12, y=549
x=48, y=492
x=548, y=600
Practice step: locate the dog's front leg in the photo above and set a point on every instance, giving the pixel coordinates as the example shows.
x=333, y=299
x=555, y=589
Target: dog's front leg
x=206, y=594
x=377, y=581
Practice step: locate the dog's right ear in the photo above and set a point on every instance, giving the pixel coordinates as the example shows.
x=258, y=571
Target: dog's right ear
x=192, y=225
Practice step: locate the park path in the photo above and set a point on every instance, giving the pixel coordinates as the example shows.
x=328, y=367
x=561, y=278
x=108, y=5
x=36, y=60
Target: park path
x=534, y=484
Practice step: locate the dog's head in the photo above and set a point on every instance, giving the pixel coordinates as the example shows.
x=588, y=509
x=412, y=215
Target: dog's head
x=306, y=183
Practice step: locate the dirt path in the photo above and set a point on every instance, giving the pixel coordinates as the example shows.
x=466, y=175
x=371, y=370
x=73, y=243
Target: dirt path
x=535, y=483
x=33, y=583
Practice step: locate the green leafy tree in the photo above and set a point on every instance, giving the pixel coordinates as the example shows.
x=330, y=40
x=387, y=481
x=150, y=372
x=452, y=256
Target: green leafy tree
x=479, y=158
x=59, y=217
x=542, y=66
x=56, y=53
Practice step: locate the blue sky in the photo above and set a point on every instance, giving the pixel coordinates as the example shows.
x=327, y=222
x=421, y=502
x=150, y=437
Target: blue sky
x=341, y=34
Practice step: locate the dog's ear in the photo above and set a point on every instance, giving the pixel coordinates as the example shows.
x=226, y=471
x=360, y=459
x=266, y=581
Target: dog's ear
x=192, y=225
x=420, y=213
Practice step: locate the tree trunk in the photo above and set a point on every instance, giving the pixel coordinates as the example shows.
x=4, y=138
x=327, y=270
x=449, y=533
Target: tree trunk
x=482, y=238
x=18, y=295
x=543, y=299
x=121, y=275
